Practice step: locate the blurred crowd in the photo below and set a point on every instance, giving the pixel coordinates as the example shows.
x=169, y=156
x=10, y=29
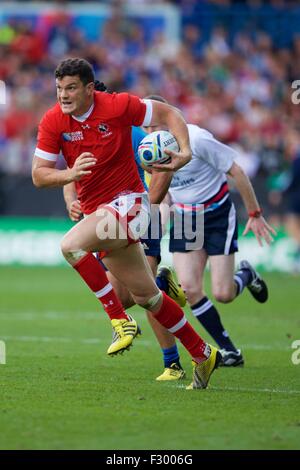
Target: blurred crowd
x=235, y=83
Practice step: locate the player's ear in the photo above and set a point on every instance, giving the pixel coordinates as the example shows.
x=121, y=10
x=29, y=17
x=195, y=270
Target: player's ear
x=90, y=88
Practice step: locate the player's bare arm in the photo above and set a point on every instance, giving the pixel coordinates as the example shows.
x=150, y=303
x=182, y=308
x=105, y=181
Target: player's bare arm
x=261, y=229
x=165, y=212
x=72, y=203
x=45, y=175
x=168, y=116
x=159, y=185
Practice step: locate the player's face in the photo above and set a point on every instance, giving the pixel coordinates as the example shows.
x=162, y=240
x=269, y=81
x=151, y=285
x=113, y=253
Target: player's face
x=73, y=96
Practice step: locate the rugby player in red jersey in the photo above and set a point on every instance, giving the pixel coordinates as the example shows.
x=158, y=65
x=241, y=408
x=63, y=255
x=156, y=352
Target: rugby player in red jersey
x=93, y=131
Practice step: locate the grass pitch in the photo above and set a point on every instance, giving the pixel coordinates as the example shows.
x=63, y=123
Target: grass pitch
x=59, y=390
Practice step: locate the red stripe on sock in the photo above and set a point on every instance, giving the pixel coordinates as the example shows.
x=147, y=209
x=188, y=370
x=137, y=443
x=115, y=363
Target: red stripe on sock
x=95, y=277
x=169, y=315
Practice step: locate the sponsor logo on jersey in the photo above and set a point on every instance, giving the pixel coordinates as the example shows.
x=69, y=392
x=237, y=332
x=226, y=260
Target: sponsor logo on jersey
x=72, y=136
x=177, y=182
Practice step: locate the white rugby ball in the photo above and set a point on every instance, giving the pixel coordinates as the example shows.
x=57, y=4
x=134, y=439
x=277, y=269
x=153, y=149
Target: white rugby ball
x=152, y=147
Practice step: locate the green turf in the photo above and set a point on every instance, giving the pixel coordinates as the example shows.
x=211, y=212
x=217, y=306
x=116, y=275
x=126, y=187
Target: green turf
x=59, y=390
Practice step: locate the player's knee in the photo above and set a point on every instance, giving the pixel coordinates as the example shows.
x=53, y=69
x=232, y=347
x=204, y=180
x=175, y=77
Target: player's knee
x=192, y=292
x=149, y=302
x=223, y=295
x=67, y=245
x=70, y=250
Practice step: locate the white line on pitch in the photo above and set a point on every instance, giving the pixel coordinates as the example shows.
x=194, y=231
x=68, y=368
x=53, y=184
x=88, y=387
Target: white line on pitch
x=58, y=339
x=52, y=315
x=249, y=390
x=259, y=390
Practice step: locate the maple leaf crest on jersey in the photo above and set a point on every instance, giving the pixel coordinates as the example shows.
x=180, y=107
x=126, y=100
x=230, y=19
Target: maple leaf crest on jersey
x=103, y=127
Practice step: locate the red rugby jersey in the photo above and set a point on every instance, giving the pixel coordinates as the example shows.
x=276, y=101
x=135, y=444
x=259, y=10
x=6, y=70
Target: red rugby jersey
x=107, y=134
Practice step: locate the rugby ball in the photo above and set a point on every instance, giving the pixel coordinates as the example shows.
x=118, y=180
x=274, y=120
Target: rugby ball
x=152, y=148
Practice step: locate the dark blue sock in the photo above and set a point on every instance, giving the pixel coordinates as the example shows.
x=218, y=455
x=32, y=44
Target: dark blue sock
x=208, y=316
x=242, y=278
x=162, y=284
x=171, y=356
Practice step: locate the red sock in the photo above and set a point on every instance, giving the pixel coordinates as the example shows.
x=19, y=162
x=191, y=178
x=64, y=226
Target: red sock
x=95, y=277
x=171, y=316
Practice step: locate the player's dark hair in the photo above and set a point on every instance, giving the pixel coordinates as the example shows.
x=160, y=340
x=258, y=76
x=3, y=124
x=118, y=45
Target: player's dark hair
x=75, y=66
x=156, y=98
x=99, y=86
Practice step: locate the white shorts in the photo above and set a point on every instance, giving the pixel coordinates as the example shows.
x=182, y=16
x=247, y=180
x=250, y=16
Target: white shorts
x=133, y=212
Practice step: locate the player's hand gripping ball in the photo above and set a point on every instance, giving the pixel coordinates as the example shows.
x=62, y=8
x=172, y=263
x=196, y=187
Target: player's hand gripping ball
x=152, y=148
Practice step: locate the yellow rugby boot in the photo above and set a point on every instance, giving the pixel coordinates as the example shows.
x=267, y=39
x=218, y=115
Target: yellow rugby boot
x=124, y=332
x=203, y=370
x=174, y=372
x=174, y=289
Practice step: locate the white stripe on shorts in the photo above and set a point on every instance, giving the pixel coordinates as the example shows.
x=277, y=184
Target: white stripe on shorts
x=104, y=291
x=178, y=325
x=230, y=230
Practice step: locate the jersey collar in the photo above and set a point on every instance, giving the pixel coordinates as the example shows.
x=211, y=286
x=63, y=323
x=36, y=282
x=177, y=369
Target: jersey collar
x=84, y=116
